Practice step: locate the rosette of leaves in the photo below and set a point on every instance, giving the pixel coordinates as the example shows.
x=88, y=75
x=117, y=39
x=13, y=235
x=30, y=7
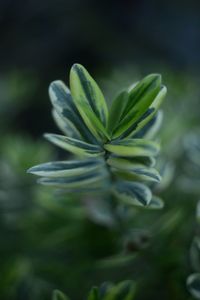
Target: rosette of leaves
x=114, y=149
x=107, y=291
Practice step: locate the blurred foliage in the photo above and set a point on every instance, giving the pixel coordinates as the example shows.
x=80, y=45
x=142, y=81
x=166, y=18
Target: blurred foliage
x=190, y=181
x=107, y=291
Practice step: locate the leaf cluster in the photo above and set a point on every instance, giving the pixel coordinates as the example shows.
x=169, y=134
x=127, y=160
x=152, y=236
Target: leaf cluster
x=114, y=148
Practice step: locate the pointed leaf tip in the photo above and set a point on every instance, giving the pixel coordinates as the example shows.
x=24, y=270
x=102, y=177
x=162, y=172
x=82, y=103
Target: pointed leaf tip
x=89, y=101
x=75, y=146
x=58, y=295
x=141, y=97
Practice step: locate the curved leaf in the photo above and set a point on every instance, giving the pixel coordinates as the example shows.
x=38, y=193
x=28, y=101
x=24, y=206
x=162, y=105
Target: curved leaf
x=63, y=103
x=124, y=290
x=193, y=284
x=67, y=168
x=149, y=130
x=133, y=147
x=140, y=99
x=58, y=295
x=138, y=172
x=80, y=181
x=66, y=127
x=116, y=110
x=146, y=118
x=156, y=203
x=93, y=294
x=126, y=163
x=89, y=101
x=75, y=146
x=132, y=193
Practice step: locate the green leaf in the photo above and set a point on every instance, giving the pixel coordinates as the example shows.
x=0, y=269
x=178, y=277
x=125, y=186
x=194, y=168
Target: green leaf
x=156, y=203
x=140, y=99
x=65, y=126
x=132, y=193
x=66, y=110
x=94, y=294
x=89, y=101
x=67, y=168
x=133, y=147
x=75, y=146
x=80, y=181
x=58, y=295
x=147, y=116
x=124, y=290
x=116, y=110
x=137, y=172
x=128, y=162
x=193, y=284
x=150, y=130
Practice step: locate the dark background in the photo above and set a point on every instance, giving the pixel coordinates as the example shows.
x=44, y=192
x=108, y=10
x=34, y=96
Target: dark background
x=40, y=40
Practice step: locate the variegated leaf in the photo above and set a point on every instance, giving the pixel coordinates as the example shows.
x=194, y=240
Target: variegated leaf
x=147, y=116
x=133, y=147
x=140, y=99
x=156, y=203
x=67, y=168
x=75, y=146
x=193, y=284
x=116, y=110
x=89, y=101
x=138, y=173
x=151, y=128
x=132, y=193
x=66, y=126
x=84, y=180
x=63, y=103
x=128, y=161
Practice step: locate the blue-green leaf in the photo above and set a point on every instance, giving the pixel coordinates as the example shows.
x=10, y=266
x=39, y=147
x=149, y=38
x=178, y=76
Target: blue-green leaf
x=193, y=284
x=67, y=168
x=75, y=146
x=66, y=126
x=132, y=193
x=137, y=172
x=85, y=180
x=156, y=203
x=63, y=104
